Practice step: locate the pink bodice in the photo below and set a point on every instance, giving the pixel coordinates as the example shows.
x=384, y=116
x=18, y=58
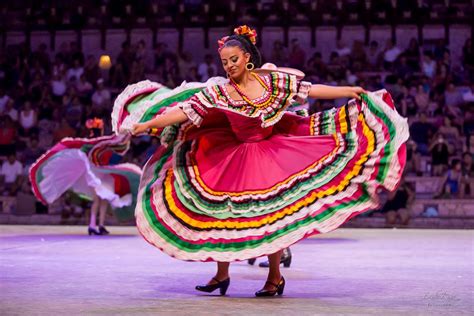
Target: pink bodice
x=246, y=129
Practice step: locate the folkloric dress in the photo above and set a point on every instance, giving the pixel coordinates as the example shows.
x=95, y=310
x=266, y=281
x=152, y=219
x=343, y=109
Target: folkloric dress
x=237, y=181
x=88, y=166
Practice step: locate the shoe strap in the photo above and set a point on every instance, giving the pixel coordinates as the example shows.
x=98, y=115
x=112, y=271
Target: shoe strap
x=273, y=284
x=218, y=280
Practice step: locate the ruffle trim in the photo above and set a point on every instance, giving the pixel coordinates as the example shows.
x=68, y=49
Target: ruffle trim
x=136, y=116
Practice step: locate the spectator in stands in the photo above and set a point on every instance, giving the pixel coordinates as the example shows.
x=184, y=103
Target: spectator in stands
x=76, y=53
x=11, y=175
x=413, y=159
x=185, y=64
x=451, y=181
x=84, y=88
x=8, y=136
x=450, y=133
x=428, y=65
x=398, y=205
x=58, y=86
x=35, y=89
x=373, y=56
x=421, y=132
x=59, y=67
x=64, y=130
x=467, y=180
x=422, y=99
x=342, y=49
x=28, y=119
x=125, y=60
x=137, y=72
x=439, y=155
x=297, y=56
x=412, y=53
x=408, y=103
x=161, y=51
x=31, y=152
x=335, y=68
x=316, y=67
x=390, y=54
x=453, y=99
x=402, y=69
x=207, y=68
x=4, y=98
x=64, y=55
x=42, y=56
x=358, y=56
x=101, y=98
x=439, y=49
x=279, y=54
x=10, y=111
x=141, y=54
x=75, y=72
x=192, y=75
x=91, y=69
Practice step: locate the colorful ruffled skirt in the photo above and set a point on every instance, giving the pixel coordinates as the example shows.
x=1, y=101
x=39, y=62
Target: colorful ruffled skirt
x=217, y=194
x=88, y=167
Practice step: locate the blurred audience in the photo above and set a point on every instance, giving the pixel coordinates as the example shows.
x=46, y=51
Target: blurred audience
x=46, y=96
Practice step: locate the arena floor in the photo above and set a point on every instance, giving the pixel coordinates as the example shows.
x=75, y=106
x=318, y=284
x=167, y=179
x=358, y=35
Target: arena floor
x=58, y=270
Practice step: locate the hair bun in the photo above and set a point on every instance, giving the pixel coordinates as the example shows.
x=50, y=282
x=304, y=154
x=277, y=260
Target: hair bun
x=246, y=31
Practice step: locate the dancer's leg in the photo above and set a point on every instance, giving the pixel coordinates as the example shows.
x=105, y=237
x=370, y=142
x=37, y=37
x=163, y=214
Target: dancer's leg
x=94, y=211
x=103, y=211
x=274, y=275
x=222, y=272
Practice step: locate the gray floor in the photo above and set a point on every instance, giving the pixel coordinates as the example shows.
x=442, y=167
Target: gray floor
x=58, y=270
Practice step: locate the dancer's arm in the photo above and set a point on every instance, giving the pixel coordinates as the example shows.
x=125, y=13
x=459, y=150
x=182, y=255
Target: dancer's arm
x=320, y=91
x=173, y=116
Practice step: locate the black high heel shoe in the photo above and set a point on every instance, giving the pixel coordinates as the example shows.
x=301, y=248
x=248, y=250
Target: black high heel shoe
x=279, y=288
x=93, y=231
x=103, y=231
x=285, y=259
x=221, y=285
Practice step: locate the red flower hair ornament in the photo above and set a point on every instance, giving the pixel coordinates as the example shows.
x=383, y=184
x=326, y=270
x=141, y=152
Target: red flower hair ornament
x=242, y=30
x=95, y=123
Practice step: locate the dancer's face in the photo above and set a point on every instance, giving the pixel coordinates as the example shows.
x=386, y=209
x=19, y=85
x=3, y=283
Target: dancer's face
x=233, y=60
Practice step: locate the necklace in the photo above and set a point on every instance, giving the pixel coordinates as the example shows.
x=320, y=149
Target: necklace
x=269, y=97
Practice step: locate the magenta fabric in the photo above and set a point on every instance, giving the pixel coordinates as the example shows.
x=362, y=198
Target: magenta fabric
x=261, y=157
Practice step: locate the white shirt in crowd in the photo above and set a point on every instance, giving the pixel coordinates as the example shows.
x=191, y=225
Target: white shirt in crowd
x=74, y=73
x=392, y=54
x=11, y=171
x=59, y=87
x=429, y=68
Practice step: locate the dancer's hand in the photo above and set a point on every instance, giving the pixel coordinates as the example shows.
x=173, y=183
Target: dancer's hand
x=140, y=128
x=355, y=92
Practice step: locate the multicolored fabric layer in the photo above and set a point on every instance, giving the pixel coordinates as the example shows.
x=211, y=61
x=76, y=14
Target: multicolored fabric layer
x=180, y=211
x=145, y=100
x=88, y=167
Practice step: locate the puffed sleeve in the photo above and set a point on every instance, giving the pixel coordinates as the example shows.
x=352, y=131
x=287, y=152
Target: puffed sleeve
x=298, y=90
x=196, y=107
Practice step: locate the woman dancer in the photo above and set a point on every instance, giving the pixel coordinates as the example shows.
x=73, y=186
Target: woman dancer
x=88, y=166
x=241, y=177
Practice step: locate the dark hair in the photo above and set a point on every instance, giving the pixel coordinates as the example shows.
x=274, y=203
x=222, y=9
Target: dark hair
x=247, y=46
x=95, y=132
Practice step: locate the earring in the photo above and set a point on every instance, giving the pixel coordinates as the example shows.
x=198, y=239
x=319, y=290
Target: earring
x=249, y=66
